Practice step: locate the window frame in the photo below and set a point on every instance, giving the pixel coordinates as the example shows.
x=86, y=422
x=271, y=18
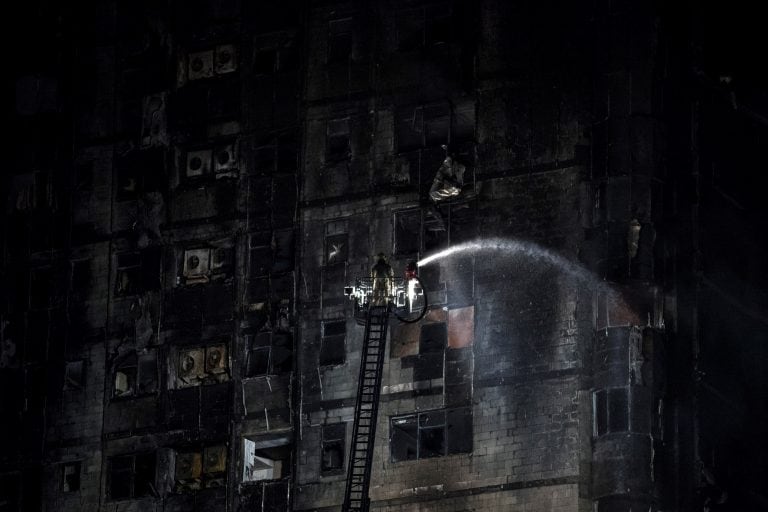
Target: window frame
x=445, y=426
x=599, y=410
x=132, y=360
x=333, y=434
x=152, y=483
x=77, y=470
x=325, y=337
x=334, y=155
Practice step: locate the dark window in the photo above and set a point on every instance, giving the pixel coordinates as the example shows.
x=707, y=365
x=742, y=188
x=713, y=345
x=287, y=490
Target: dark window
x=339, y=40
x=70, y=477
x=41, y=288
x=433, y=337
x=138, y=272
x=423, y=127
x=259, y=354
x=410, y=29
x=332, y=458
x=81, y=277
x=269, y=354
x=407, y=232
x=611, y=411
x=332, y=345
x=618, y=410
x=140, y=172
x=135, y=375
x=404, y=444
x=132, y=476
x=74, y=376
x=336, y=249
x=265, y=62
x=424, y=27
x=431, y=434
x=337, y=145
x=84, y=176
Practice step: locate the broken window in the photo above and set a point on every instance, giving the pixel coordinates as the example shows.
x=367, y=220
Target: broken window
x=81, y=278
x=422, y=127
x=431, y=434
x=610, y=411
x=204, y=264
x=339, y=40
x=433, y=337
x=200, y=468
x=131, y=476
x=259, y=354
x=202, y=365
x=135, y=375
x=337, y=140
x=283, y=251
x=138, y=272
x=332, y=345
x=333, y=446
x=424, y=27
x=336, y=249
x=266, y=458
x=269, y=354
x=74, y=375
x=140, y=172
x=41, y=288
x=280, y=156
x=407, y=232
x=70, y=477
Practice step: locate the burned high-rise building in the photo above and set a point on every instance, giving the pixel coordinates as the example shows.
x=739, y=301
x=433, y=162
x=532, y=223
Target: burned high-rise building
x=191, y=186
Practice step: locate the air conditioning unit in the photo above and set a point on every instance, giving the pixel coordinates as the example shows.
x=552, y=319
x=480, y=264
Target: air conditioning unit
x=191, y=365
x=225, y=158
x=196, y=263
x=198, y=162
x=221, y=257
x=200, y=65
x=216, y=359
x=214, y=483
x=189, y=467
x=215, y=459
x=225, y=59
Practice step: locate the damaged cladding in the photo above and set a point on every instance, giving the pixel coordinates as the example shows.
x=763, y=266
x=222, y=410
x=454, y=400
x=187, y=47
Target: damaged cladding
x=193, y=188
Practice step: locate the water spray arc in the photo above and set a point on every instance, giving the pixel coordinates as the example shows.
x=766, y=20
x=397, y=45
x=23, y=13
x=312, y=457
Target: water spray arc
x=518, y=247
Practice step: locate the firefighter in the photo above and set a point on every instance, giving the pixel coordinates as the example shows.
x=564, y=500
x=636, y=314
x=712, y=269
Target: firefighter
x=383, y=277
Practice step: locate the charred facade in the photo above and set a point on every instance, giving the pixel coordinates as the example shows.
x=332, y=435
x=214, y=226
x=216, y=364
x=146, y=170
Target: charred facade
x=193, y=184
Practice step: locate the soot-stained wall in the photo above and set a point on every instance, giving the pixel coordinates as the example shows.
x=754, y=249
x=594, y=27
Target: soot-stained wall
x=193, y=184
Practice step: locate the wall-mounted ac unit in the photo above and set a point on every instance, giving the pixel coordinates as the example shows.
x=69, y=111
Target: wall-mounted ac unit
x=216, y=359
x=198, y=162
x=191, y=365
x=225, y=158
x=225, y=59
x=221, y=257
x=200, y=65
x=196, y=263
x=215, y=459
x=189, y=467
x=214, y=483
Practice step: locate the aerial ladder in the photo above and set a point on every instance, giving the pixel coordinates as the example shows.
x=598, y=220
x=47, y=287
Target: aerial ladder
x=374, y=305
